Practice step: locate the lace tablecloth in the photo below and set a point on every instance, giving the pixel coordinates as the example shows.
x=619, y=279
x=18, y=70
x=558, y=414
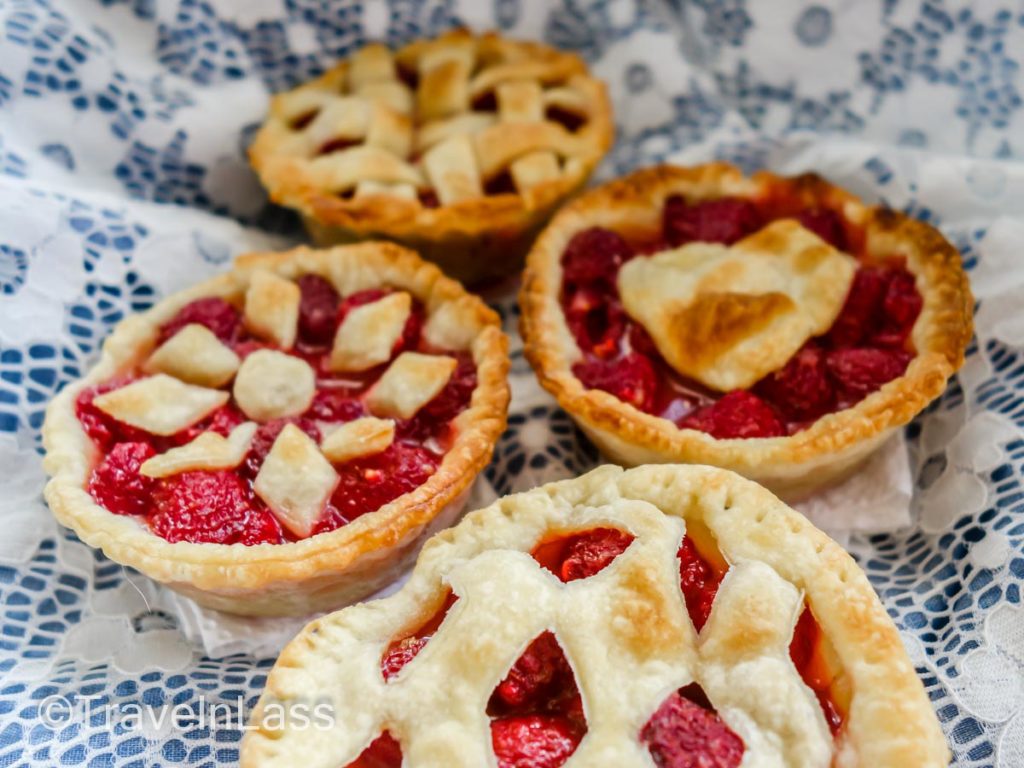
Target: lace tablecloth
x=123, y=125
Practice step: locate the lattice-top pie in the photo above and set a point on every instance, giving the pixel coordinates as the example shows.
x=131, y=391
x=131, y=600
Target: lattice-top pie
x=774, y=326
x=670, y=616
x=283, y=436
x=460, y=146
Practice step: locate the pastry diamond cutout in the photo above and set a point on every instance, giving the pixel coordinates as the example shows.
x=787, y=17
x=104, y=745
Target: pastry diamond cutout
x=195, y=355
x=272, y=385
x=361, y=437
x=210, y=451
x=160, y=404
x=729, y=315
x=409, y=383
x=369, y=332
x=296, y=481
x=453, y=325
x=272, y=308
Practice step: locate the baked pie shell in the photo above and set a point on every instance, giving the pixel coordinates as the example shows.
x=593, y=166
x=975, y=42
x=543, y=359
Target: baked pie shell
x=835, y=445
x=328, y=570
x=472, y=240
x=890, y=722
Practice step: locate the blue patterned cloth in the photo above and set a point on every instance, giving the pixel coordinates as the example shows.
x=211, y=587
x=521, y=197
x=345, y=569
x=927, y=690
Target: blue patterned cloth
x=123, y=125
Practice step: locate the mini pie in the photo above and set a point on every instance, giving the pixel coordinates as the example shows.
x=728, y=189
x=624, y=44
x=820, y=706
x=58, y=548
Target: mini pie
x=672, y=616
x=774, y=326
x=239, y=444
x=460, y=147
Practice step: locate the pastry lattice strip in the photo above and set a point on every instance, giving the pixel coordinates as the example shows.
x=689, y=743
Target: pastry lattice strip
x=625, y=632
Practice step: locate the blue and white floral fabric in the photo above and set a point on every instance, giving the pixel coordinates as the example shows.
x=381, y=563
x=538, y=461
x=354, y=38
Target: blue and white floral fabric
x=123, y=125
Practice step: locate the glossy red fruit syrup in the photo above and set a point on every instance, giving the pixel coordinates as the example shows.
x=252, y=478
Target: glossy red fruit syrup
x=221, y=507
x=868, y=345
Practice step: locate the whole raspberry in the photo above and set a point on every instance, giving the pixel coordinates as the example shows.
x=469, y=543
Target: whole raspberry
x=335, y=405
x=713, y=221
x=682, y=734
x=900, y=307
x=595, y=319
x=528, y=683
x=737, y=414
x=859, y=372
x=318, y=310
x=212, y=508
x=533, y=741
x=116, y=483
x=590, y=553
x=216, y=314
x=594, y=255
x=860, y=314
x=801, y=390
x=631, y=378
x=368, y=483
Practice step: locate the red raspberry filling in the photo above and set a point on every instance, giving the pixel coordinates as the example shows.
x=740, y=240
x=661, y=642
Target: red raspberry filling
x=801, y=389
x=537, y=718
x=826, y=224
x=713, y=221
x=216, y=314
x=368, y=483
x=737, y=414
x=807, y=652
x=536, y=711
x=221, y=507
x=867, y=346
x=582, y=554
x=383, y=752
x=631, y=378
x=402, y=651
x=594, y=255
x=116, y=482
x=533, y=741
x=541, y=667
x=859, y=372
x=698, y=581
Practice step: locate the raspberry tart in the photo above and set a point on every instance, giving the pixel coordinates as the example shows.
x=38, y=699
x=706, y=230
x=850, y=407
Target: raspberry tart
x=283, y=437
x=673, y=616
x=460, y=147
x=774, y=326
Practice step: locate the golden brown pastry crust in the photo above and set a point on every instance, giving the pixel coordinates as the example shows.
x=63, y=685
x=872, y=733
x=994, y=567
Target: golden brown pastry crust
x=792, y=466
x=326, y=570
x=625, y=631
x=473, y=238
